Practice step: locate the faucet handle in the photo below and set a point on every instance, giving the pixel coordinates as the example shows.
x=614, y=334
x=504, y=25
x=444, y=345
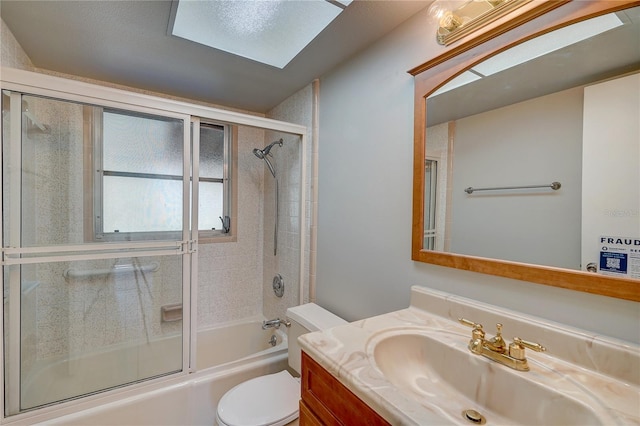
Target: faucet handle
x=531, y=345
x=478, y=332
x=516, y=349
x=475, y=326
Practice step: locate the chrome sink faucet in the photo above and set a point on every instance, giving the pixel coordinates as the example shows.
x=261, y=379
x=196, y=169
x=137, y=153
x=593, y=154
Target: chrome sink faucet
x=275, y=323
x=496, y=349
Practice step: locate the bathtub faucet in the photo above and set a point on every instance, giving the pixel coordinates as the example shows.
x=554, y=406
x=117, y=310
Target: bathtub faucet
x=275, y=323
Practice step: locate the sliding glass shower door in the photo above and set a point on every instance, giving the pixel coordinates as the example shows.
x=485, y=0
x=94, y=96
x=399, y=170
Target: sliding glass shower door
x=96, y=247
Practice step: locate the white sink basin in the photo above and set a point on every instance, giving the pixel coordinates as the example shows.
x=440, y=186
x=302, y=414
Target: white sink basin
x=437, y=370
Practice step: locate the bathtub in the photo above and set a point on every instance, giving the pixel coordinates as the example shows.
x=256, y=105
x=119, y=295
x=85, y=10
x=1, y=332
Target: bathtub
x=189, y=399
x=242, y=340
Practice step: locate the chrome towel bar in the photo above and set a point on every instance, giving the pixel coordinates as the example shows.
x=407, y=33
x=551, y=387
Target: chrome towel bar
x=554, y=185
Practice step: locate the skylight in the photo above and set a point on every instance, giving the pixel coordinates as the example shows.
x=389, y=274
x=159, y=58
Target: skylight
x=268, y=31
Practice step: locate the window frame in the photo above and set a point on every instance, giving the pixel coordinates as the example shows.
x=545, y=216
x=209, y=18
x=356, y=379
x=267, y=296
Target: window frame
x=94, y=174
x=229, y=197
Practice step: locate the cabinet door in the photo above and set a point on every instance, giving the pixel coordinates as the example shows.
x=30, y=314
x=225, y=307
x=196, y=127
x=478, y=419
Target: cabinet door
x=307, y=417
x=329, y=401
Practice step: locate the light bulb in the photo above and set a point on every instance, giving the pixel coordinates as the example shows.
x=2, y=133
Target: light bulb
x=437, y=9
x=442, y=12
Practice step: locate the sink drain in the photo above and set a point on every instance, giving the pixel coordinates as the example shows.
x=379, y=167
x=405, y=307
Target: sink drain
x=474, y=417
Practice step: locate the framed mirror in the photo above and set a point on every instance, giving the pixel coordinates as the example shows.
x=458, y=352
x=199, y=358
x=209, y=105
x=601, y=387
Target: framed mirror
x=522, y=167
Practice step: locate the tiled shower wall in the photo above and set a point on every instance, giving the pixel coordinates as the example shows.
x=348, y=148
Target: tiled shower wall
x=286, y=262
x=230, y=274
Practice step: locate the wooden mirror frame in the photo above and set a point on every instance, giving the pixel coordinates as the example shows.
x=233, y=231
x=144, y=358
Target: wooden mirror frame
x=433, y=74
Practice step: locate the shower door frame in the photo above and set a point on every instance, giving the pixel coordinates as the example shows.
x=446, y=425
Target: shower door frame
x=71, y=90
x=12, y=255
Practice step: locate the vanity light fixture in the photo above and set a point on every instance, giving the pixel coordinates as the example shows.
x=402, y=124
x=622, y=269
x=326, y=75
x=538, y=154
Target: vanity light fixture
x=457, y=22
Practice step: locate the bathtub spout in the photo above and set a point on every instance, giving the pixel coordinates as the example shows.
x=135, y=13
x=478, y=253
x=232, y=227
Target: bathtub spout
x=275, y=323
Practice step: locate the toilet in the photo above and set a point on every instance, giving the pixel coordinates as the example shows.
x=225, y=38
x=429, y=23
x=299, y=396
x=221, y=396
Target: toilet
x=272, y=400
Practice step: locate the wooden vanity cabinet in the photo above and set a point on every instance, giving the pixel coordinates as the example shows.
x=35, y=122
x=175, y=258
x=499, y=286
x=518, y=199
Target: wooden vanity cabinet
x=326, y=401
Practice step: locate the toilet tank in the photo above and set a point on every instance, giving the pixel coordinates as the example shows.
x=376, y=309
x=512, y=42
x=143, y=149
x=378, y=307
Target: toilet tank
x=304, y=319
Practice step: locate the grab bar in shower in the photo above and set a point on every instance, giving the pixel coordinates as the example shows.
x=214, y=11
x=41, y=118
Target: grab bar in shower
x=554, y=185
x=116, y=269
x=35, y=124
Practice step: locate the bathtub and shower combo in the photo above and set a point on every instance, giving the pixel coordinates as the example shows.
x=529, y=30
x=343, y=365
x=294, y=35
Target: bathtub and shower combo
x=120, y=330
x=247, y=352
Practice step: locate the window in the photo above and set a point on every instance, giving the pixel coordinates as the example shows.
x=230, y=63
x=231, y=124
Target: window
x=430, y=195
x=214, y=198
x=138, y=181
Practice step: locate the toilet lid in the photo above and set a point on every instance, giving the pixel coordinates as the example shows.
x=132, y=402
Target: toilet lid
x=267, y=400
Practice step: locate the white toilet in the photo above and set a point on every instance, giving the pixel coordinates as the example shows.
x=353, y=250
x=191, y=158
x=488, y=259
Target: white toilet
x=272, y=400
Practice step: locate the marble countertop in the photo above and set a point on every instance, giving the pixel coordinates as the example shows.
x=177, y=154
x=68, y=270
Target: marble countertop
x=600, y=373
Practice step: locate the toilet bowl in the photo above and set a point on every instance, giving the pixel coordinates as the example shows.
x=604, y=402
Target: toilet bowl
x=272, y=400
x=266, y=400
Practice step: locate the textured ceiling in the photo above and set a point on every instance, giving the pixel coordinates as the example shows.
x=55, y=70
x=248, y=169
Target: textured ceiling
x=128, y=43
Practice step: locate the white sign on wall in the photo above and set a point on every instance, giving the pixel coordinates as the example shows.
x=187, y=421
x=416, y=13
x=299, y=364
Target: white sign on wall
x=620, y=256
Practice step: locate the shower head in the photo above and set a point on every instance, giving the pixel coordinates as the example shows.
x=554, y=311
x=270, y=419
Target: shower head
x=258, y=153
x=262, y=154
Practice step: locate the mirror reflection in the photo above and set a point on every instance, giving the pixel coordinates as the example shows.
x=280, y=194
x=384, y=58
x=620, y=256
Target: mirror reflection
x=562, y=108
